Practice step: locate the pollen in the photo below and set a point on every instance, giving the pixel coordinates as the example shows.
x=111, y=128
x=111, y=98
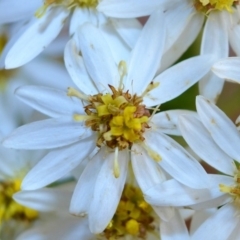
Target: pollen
x=119, y=118
x=11, y=210
x=207, y=6
x=134, y=217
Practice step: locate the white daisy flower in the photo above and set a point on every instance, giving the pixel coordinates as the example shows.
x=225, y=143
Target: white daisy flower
x=110, y=110
x=215, y=138
x=221, y=28
x=39, y=30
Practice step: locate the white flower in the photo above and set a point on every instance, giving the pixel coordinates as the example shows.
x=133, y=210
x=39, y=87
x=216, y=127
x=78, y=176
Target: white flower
x=185, y=20
x=216, y=140
x=39, y=30
x=109, y=110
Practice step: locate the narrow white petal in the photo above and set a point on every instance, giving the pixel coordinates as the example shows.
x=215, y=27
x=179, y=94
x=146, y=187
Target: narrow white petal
x=185, y=39
x=221, y=128
x=79, y=17
x=210, y=86
x=235, y=233
x=83, y=192
x=77, y=70
x=219, y=225
x=107, y=192
x=173, y=193
x=34, y=37
x=128, y=29
x=56, y=164
x=11, y=10
x=167, y=121
x=215, y=35
x=176, y=160
x=52, y=102
x=45, y=134
x=234, y=36
x=178, y=79
x=202, y=143
x=228, y=68
x=175, y=229
x=127, y=8
x=146, y=55
x=146, y=171
x=164, y=213
x=119, y=49
x=97, y=57
x=44, y=200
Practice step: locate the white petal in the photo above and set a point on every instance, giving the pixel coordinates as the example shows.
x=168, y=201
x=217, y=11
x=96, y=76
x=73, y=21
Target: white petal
x=178, y=79
x=127, y=8
x=221, y=128
x=83, y=192
x=146, y=55
x=79, y=17
x=11, y=10
x=128, y=29
x=215, y=35
x=77, y=70
x=34, y=37
x=119, y=49
x=210, y=86
x=173, y=193
x=52, y=102
x=219, y=225
x=107, y=192
x=44, y=200
x=228, y=68
x=97, y=57
x=45, y=134
x=176, y=160
x=175, y=229
x=202, y=143
x=164, y=213
x=56, y=164
x=235, y=233
x=146, y=171
x=167, y=121
x=185, y=39
x=234, y=35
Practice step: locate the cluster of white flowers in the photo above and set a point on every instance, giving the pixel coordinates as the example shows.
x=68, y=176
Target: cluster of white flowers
x=87, y=153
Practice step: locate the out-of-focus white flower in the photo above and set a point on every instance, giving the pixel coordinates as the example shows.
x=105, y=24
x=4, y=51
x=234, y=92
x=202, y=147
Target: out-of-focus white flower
x=221, y=28
x=111, y=110
x=39, y=30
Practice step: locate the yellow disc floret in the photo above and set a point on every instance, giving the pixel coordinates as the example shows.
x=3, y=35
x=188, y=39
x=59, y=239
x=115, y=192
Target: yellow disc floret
x=11, y=210
x=134, y=217
x=208, y=5
x=119, y=118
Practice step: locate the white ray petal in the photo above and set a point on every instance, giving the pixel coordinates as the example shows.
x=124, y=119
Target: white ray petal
x=202, y=143
x=56, y=164
x=221, y=128
x=167, y=121
x=45, y=134
x=176, y=160
x=107, y=192
x=146, y=55
x=34, y=37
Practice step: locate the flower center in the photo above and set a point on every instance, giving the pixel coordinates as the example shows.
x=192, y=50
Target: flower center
x=134, y=217
x=206, y=6
x=11, y=210
x=69, y=4
x=119, y=118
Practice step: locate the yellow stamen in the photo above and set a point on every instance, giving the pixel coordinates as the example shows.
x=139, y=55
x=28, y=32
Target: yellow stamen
x=154, y=155
x=72, y=92
x=150, y=87
x=122, y=69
